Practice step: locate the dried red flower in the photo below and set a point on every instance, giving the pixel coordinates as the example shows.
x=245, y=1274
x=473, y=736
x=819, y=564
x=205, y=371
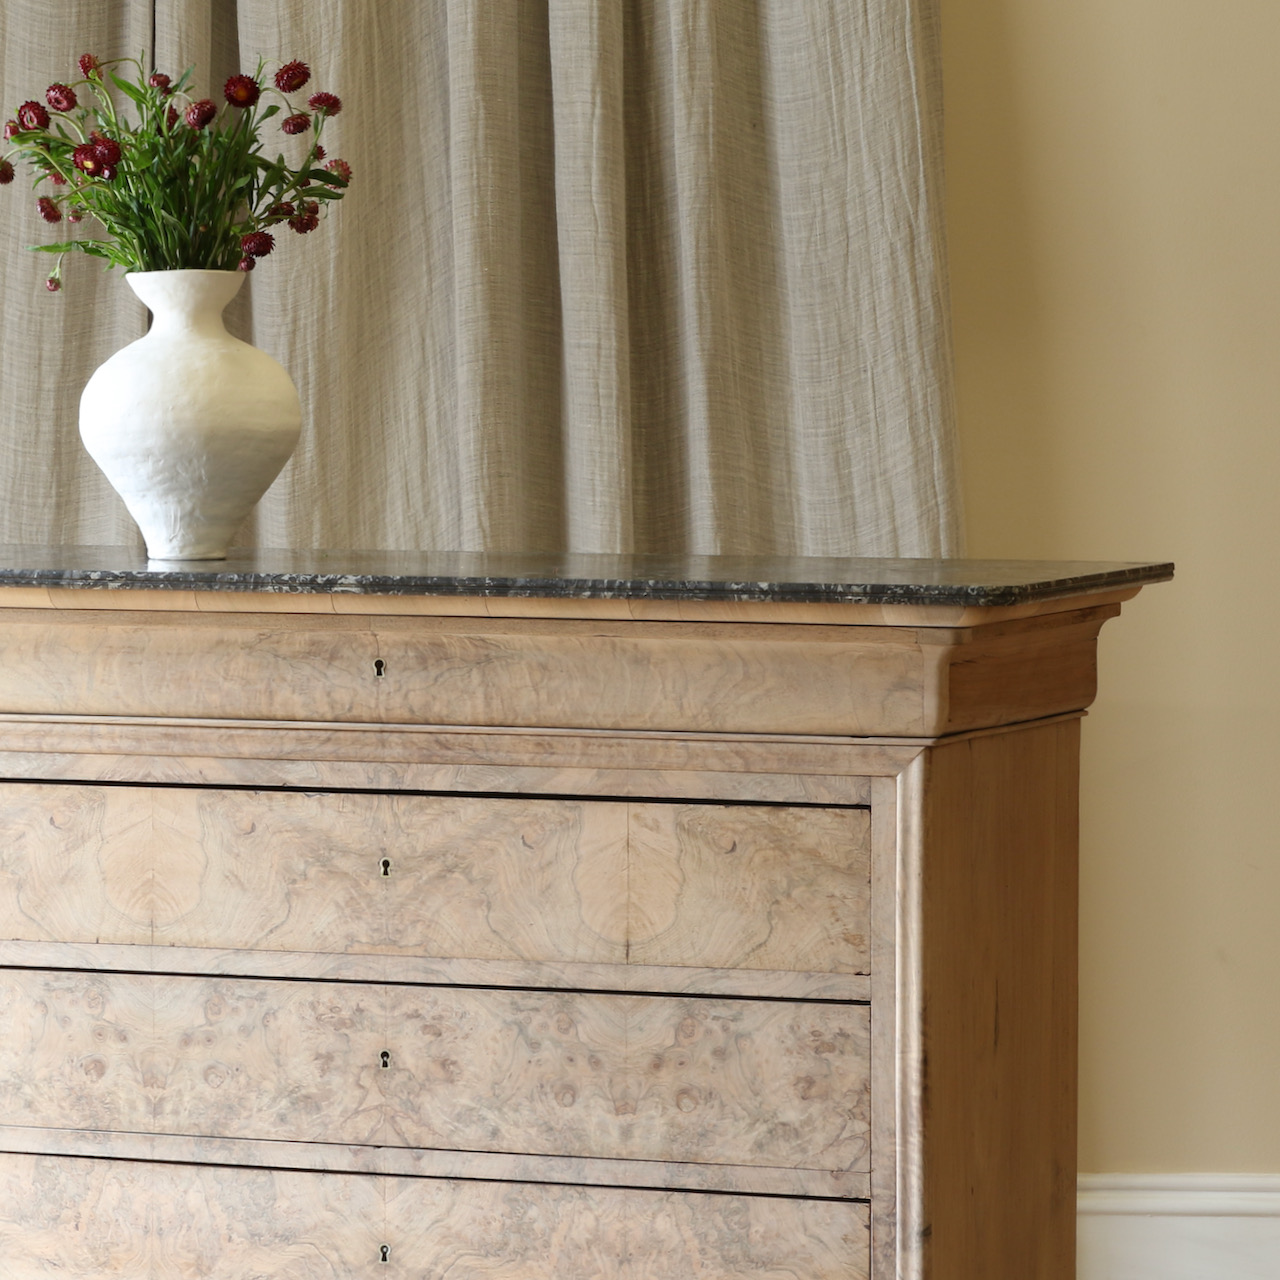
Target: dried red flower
x=200, y=113
x=95, y=158
x=10, y=128
x=292, y=76
x=325, y=104
x=257, y=244
x=57, y=179
x=242, y=91
x=341, y=168
x=305, y=221
x=295, y=124
x=171, y=117
x=158, y=80
x=90, y=66
x=74, y=216
x=279, y=212
x=60, y=98
x=53, y=284
x=31, y=115
x=6, y=173
x=85, y=158
x=319, y=154
x=98, y=157
x=108, y=149
x=48, y=210
x=246, y=264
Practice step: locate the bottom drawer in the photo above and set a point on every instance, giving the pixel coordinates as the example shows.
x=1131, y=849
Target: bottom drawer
x=77, y=1219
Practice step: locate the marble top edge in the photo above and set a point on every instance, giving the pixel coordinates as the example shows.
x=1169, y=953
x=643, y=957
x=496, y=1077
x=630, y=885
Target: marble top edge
x=579, y=575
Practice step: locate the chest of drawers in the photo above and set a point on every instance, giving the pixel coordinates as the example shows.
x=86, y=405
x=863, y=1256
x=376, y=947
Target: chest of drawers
x=466, y=924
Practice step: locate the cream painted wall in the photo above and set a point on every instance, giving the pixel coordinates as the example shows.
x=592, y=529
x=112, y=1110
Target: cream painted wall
x=1114, y=226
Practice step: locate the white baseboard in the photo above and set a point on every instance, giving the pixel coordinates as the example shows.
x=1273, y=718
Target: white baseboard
x=1184, y=1226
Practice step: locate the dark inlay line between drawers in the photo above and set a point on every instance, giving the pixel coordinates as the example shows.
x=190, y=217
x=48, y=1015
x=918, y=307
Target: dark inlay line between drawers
x=281, y=1166
x=137, y=784
x=444, y=986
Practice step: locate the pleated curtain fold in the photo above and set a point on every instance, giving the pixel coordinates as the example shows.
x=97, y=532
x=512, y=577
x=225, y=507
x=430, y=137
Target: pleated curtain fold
x=612, y=275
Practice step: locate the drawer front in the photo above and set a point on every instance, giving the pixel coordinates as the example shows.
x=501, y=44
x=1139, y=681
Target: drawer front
x=77, y=1219
x=735, y=1082
x=558, y=881
x=465, y=671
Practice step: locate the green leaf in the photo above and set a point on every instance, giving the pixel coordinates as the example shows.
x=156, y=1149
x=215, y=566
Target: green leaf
x=129, y=91
x=65, y=247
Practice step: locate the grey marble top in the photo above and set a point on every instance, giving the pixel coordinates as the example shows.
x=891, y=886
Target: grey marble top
x=454, y=573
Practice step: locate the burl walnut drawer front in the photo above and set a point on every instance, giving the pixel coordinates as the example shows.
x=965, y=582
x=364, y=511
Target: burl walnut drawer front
x=728, y=887
x=464, y=671
x=738, y=1082
x=139, y=1221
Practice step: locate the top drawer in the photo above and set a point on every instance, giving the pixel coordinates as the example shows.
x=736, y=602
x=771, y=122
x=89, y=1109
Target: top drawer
x=786, y=677
x=500, y=881
x=462, y=671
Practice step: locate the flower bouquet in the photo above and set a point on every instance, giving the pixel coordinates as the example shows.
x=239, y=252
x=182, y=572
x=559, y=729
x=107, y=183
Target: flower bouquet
x=189, y=424
x=187, y=184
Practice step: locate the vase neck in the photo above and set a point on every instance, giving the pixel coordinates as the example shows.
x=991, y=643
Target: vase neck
x=186, y=301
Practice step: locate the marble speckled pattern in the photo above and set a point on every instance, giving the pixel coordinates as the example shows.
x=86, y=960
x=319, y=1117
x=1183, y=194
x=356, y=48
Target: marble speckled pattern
x=579, y=576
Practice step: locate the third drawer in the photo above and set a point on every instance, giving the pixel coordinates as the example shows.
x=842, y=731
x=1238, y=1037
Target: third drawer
x=736, y=1082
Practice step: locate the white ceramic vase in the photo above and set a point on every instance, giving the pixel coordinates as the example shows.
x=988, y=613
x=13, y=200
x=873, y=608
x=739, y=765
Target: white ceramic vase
x=189, y=424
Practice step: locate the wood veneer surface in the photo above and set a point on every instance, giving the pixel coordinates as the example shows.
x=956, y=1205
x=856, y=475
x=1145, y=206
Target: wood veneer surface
x=486, y=878
x=992, y=1179
x=643, y=950
x=540, y=673
x=135, y=1221
x=435, y=1162
x=635, y=1077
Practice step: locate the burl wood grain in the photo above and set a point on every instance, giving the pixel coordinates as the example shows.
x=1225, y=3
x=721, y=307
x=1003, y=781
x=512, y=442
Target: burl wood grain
x=124, y=1220
x=705, y=1081
x=118, y=1220
x=749, y=888
x=481, y=1230
x=706, y=677
x=464, y=671
x=559, y=881
x=187, y=1055
x=653, y=1078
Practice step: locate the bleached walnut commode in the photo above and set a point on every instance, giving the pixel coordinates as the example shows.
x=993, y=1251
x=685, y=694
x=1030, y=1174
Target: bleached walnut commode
x=426, y=916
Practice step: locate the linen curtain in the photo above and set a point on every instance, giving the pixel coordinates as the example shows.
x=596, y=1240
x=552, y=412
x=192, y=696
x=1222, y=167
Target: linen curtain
x=612, y=275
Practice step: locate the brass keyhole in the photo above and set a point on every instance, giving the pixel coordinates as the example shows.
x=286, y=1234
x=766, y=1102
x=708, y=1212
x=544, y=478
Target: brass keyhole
x=379, y=669
x=386, y=866
x=386, y=1060
x=385, y=1253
